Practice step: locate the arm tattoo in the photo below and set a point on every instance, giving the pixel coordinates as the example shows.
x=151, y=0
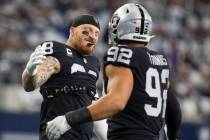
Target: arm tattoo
x=46, y=70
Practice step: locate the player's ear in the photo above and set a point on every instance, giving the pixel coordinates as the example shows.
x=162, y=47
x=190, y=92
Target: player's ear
x=71, y=30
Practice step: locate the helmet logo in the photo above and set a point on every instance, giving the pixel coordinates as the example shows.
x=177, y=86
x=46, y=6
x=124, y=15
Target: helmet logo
x=115, y=21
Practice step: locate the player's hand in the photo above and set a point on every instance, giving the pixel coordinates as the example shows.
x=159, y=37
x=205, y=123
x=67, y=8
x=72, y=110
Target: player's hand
x=36, y=58
x=57, y=127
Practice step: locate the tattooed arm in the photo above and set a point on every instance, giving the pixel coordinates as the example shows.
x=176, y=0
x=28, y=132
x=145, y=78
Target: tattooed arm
x=45, y=70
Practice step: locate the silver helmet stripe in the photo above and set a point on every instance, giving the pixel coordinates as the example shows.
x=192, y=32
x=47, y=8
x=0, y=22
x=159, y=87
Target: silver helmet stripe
x=142, y=19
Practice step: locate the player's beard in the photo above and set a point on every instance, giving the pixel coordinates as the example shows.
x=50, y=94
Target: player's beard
x=86, y=49
x=85, y=45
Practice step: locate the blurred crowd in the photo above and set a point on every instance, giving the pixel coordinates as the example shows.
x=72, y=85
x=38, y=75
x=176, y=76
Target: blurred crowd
x=181, y=29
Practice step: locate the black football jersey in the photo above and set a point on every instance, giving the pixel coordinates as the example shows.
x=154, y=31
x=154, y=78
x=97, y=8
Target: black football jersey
x=76, y=69
x=144, y=113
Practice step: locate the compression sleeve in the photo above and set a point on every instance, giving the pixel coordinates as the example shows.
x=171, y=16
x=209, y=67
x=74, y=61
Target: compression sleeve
x=173, y=117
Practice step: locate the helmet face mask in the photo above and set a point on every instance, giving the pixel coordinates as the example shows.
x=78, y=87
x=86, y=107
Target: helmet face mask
x=130, y=22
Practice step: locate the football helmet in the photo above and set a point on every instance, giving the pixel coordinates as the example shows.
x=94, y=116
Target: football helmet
x=130, y=22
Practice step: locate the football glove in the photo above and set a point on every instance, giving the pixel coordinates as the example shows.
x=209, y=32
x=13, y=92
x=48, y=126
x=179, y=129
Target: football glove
x=57, y=127
x=36, y=58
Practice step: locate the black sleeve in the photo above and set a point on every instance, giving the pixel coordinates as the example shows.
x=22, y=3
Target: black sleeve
x=173, y=117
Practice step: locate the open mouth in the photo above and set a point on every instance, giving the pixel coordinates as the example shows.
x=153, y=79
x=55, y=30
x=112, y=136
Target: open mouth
x=90, y=43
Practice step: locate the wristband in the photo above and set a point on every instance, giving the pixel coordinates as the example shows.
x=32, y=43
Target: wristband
x=78, y=116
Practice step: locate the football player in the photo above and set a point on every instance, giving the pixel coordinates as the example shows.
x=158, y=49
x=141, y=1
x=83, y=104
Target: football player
x=66, y=74
x=136, y=81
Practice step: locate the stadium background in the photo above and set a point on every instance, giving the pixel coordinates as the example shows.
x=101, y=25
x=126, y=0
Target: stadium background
x=182, y=29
